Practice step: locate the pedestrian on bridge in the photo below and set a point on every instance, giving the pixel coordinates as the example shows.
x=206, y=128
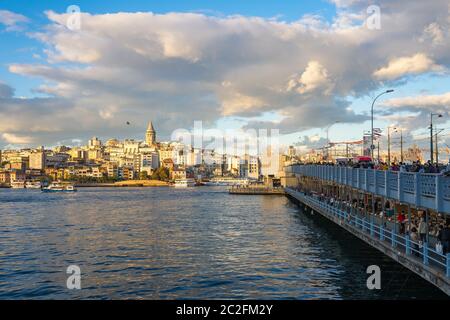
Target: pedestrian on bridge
x=444, y=238
x=423, y=230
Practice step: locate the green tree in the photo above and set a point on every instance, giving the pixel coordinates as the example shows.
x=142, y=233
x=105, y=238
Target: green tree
x=161, y=174
x=143, y=175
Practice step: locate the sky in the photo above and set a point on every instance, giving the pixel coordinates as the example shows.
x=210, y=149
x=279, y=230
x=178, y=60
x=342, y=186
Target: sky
x=297, y=66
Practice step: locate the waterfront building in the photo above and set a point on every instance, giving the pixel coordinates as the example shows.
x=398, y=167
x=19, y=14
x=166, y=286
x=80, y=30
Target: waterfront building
x=61, y=149
x=149, y=161
x=37, y=159
x=126, y=173
x=95, y=154
x=5, y=177
x=291, y=151
x=58, y=159
x=19, y=162
x=111, y=169
x=131, y=147
x=17, y=175
x=94, y=143
x=178, y=173
x=77, y=154
x=165, y=151
x=250, y=167
x=129, y=158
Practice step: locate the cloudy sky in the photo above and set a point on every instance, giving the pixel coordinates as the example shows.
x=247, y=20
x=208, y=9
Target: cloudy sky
x=299, y=66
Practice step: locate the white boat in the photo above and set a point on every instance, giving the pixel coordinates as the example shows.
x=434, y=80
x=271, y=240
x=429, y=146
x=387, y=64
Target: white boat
x=18, y=184
x=227, y=181
x=59, y=187
x=216, y=183
x=33, y=185
x=184, y=183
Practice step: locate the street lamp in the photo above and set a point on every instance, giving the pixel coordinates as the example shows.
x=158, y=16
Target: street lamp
x=389, y=144
x=401, y=146
x=431, y=134
x=328, y=140
x=328, y=128
x=371, y=132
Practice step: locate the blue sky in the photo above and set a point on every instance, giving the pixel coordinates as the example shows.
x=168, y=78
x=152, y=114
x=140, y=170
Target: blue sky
x=19, y=48
x=329, y=75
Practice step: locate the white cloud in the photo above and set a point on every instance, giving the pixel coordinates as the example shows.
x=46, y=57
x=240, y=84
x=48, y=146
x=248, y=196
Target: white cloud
x=239, y=103
x=398, y=67
x=11, y=138
x=179, y=67
x=422, y=101
x=12, y=20
x=434, y=32
x=314, y=77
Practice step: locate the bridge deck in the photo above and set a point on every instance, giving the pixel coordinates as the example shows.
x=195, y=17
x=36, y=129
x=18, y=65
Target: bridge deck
x=423, y=190
x=424, y=261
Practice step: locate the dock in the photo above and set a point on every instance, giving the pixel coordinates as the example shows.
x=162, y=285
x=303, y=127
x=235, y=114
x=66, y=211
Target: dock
x=256, y=190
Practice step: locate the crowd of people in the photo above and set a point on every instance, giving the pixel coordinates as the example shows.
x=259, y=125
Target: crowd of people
x=415, y=166
x=419, y=228
x=433, y=230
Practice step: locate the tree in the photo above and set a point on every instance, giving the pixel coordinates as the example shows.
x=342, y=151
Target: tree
x=161, y=174
x=143, y=175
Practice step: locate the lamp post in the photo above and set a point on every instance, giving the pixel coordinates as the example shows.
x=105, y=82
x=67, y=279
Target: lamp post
x=401, y=146
x=389, y=144
x=437, y=145
x=328, y=140
x=431, y=134
x=371, y=132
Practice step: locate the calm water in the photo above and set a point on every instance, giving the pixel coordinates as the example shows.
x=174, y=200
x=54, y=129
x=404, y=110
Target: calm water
x=163, y=243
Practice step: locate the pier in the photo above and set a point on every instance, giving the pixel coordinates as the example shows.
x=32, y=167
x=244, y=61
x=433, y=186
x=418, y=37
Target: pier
x=256, y=190
x=367, y=204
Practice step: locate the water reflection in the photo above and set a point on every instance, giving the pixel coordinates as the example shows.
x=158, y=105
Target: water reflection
x=160, y=243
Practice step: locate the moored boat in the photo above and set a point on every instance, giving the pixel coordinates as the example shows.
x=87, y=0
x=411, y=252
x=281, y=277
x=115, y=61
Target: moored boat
x=59, y=187
x=33, y=185
x=19, y=184
x=184, y=183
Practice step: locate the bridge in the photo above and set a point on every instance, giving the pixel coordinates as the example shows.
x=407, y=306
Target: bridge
x=331, y=191
x=422, y=190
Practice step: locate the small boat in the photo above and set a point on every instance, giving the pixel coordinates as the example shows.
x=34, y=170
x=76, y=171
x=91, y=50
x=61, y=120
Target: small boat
x=59, y=187
x=216, y=183
x=33, y=185
x=184, y=183
x=19, y=184
x=227, y=182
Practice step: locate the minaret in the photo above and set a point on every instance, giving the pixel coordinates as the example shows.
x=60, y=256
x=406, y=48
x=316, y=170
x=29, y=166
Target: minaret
x=150, y=135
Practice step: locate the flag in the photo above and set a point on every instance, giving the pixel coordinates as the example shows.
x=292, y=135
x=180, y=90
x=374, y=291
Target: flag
x=377, y=132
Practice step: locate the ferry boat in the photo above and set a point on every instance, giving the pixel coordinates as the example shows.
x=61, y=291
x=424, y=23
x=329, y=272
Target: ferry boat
x=216, y=183
x=59, y=187
x=33, y=185
x=227, y=182
x=18, y=184
x=184, y=183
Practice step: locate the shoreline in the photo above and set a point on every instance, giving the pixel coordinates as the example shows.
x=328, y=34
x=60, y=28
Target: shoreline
x=124, y=184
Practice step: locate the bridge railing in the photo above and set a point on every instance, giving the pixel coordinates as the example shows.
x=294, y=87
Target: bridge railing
x=420, y=252
x=426, y=190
